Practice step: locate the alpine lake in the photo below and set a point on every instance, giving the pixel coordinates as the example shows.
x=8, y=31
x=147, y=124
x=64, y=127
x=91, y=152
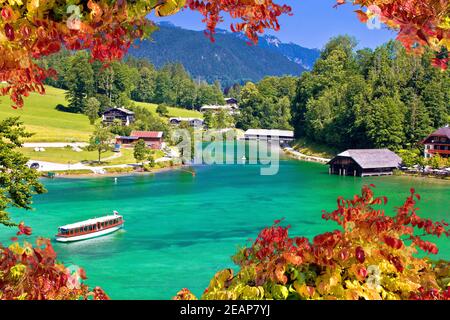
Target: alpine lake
x=180, y=228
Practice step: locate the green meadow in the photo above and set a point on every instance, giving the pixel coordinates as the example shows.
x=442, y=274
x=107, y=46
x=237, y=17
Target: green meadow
x=63, y=155
x=40, y=116
x=173, y=112
x=48, y=124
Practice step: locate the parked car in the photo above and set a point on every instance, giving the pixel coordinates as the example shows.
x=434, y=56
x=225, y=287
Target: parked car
x=34, y=165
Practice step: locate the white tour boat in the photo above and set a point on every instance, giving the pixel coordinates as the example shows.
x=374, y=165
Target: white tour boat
x=91, y=228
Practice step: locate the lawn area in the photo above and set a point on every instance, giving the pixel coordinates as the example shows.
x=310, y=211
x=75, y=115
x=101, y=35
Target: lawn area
x=48, y=124
x=128, y=157
x=63, y=155
x=173, y=112
x=314, y=149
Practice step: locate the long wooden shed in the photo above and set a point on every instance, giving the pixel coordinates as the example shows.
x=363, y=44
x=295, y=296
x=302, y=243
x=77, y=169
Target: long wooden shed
x=364, y=162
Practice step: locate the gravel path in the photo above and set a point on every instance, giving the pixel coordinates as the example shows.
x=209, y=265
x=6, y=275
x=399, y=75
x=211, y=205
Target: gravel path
x=298, y=155
x=51, y=166
x=54, y=144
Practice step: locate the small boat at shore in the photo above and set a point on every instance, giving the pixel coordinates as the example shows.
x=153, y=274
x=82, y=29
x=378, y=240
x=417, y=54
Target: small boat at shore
x=90, y=228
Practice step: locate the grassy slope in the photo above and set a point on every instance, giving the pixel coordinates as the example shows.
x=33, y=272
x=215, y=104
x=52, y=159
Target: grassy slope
x=50, y=125
x=41, y=117
x=314, y=149
x=173, y=112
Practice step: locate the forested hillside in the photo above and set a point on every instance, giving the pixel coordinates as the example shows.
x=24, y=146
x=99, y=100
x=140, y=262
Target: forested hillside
x=370, y=98
x=229, y=59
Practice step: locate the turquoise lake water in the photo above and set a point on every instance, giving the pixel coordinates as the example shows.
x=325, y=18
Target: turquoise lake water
x=180, y=229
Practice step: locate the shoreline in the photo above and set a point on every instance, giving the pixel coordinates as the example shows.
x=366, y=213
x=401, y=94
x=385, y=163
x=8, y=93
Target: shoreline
x=114, y=174
x=295, y=155
x=422, y=177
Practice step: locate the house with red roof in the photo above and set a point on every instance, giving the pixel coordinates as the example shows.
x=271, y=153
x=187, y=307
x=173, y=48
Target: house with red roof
x=437, y=143
x=153, y=139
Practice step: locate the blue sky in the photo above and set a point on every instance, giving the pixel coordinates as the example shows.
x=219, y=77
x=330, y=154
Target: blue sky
x=313, y=23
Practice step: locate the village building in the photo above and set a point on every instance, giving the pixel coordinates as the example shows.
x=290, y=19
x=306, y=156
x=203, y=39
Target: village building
x=364, y=162
x=231, y=107
x=124, y=115
x=283, y=136
x=232, y=102
x=193, y=122
x=216, y=108
x=153, y=139
x=437, y=143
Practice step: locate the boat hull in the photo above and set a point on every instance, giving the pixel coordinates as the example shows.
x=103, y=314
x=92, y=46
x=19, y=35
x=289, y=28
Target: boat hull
x=89, y=235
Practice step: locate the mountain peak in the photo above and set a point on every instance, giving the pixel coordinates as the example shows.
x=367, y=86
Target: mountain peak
x=166, y=24
x=222, y=31
x=272, y=40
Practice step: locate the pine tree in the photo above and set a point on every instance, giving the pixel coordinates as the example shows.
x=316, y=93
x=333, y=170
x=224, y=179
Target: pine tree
x=80, y=81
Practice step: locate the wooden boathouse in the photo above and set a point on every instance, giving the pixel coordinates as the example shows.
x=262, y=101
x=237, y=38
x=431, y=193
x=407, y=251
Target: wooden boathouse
x=364, y=162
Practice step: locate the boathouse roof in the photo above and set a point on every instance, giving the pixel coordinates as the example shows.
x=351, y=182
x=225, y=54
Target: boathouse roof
x=372, y=158
x=269, y=132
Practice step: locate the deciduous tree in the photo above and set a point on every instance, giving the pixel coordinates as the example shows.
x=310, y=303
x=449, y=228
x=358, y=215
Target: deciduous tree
x=141, y=151
x=18, y=182
x=100, y=140
x=92, y=109
x=162, y=110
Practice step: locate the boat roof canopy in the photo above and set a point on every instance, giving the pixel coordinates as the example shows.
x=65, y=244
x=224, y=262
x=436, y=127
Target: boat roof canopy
x=90, y=222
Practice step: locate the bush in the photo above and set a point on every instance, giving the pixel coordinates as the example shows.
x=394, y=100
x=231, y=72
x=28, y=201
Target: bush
x=371, y=257
x=438, y=162
x=410, y=157
x=119, y=170
x=68, y=172
x=32, y=273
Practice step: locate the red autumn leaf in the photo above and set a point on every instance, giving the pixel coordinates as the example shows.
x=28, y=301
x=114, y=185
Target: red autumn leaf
x=9, y=32
x=362, y=272
x=360, y=255
x=82, y=273
x=7, y=13
x=362, y=16
x=23, y=229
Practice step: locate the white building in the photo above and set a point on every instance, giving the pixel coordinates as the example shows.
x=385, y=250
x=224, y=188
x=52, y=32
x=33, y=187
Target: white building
x=231, y=109
x=193, y=122
x=269, y=134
